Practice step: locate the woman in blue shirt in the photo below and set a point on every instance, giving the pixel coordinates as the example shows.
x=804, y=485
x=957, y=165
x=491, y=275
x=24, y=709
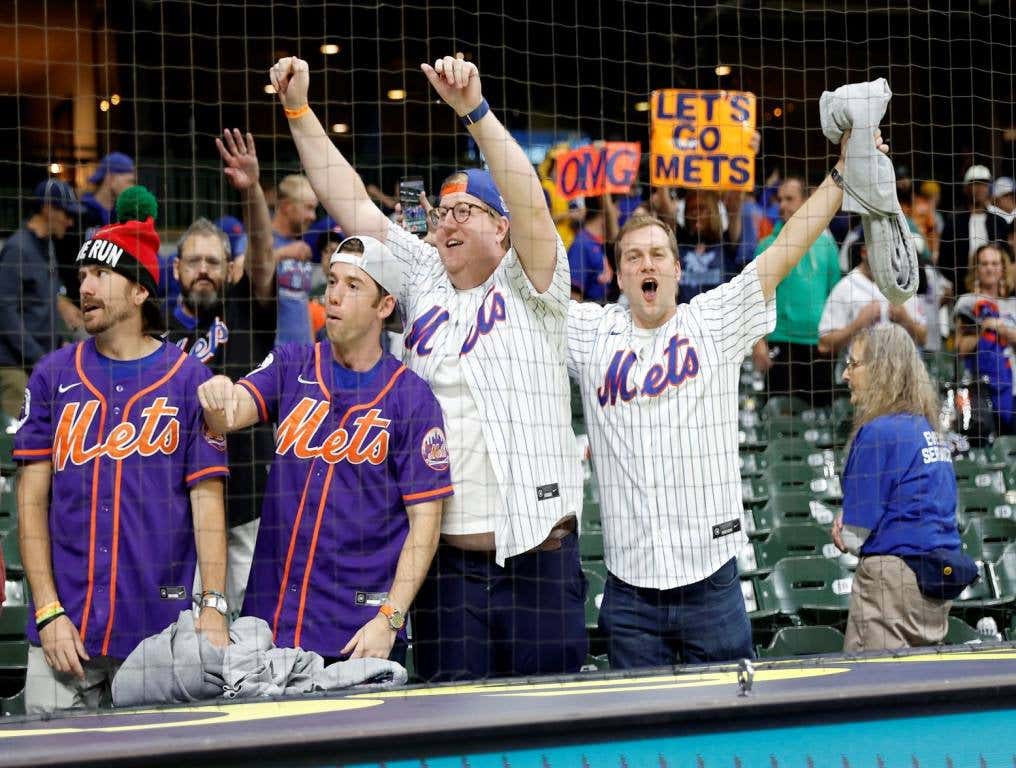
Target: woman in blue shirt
x=899, y=494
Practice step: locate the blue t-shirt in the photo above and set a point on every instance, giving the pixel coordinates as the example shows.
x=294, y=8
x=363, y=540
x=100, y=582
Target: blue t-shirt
x=899, y=484
x=703, y=269
x=585, y=259
x=294, y=278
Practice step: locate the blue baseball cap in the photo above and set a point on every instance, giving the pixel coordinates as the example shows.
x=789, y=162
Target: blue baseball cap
x=114, y=162
x=237, y=235
x=480, y=184
x=59, y=194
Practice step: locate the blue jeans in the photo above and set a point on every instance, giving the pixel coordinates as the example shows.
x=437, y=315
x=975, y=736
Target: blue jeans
x=474, y=619
x=694, y=624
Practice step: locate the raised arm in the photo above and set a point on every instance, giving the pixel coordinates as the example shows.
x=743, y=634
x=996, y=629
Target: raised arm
x=532, y=229
x=336, y=183
x=804, y=227
x=243, y=173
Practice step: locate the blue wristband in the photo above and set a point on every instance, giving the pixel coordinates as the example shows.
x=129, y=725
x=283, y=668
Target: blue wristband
x=477, y=114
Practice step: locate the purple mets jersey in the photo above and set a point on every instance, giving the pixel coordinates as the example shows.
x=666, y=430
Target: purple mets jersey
x=127, y=440
x=352, y=452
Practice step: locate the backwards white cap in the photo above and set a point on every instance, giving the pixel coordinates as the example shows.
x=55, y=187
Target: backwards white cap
x=378, y=262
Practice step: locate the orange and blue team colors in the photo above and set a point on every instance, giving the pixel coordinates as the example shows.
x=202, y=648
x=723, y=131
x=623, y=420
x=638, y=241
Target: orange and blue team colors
x=127, y=441
x=352, y=451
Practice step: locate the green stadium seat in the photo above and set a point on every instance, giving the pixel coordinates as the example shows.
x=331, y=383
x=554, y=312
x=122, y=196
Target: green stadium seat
x=749, y=464
x=591, y=519
x=797, y=478
x=8, y=504
x=971, y=474
x=784, y=405
x=780, y=427
x=752, y=438
x=7, y=465
x=754, y=491
x=803, y=641
x=789, y=450
x=981, y=502
x=941, y=366
x=13, y=654
x=596, y=663
x=596, y=580
x=793, y=540
x=13, y=620
x=789, y=508
x=960, y=632
x=985, y=538
x=591, y=545
x=12, y=553
x=978, y=597
x=814, y=589
x=1003, y=450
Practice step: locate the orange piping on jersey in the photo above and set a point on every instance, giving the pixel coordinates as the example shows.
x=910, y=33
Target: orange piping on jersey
x=424, y=495
x=202, y=472
x=116, y=498
x=83, y=627
x=317, y=371
x=310, y=555
x=32, y=452
x=258, y=399
x=321, y=508
x=289, y=554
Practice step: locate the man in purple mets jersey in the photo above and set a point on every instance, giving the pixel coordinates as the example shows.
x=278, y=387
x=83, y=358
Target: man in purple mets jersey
x=352, y=512
x=112, y=431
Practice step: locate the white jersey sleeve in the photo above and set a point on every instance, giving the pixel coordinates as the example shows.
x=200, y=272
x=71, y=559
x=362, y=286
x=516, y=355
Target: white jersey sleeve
x=584, y=320
x=555, y=299
x=418, y=258
x=737, y=312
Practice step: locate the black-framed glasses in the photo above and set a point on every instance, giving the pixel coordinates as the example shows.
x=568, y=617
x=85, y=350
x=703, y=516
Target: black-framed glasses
x=460, y=212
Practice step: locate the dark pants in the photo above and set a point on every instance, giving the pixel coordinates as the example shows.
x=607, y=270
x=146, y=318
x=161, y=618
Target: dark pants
x=695, y=624
x=799, y=369
x=474, y=619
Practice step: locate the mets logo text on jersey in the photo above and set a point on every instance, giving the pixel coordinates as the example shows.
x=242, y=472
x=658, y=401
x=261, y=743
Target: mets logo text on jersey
x=491, y=310
x=368, y=442
x=434, y=449
x=122, y=441
x=206, y=347
x=673, y=374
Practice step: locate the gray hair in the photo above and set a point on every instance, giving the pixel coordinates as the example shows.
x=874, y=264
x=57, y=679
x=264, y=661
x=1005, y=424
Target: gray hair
x=203, y=226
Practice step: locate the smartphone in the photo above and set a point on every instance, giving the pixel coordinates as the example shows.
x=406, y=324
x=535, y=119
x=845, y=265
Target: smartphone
x=414, y=217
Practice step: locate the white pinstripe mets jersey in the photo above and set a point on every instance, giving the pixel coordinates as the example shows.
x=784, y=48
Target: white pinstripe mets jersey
x=510, y=346
x=661, y=409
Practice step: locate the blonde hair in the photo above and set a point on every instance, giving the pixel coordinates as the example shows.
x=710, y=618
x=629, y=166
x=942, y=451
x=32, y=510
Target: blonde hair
x=898, y=382
x=1005, y=283
x=296, y=187
x=711, y=228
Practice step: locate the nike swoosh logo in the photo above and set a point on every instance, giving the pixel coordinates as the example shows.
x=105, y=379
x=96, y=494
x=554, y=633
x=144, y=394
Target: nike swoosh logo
x=63, y=388
x=614, y=333
x=302, y=380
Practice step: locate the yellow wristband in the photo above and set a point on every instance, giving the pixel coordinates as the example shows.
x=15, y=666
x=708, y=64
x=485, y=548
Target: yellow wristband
x=292, y=114
x=48, y=608
x=58, y=611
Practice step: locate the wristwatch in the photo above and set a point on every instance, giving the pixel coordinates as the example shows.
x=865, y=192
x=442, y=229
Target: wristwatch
x=396, y=618
x=215, y=600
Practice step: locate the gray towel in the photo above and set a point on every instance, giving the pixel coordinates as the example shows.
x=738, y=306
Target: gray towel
x=178, y=665
x=870, y=185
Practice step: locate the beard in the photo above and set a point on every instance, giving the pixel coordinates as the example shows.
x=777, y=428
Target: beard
x=108, y=320
x=202, y=302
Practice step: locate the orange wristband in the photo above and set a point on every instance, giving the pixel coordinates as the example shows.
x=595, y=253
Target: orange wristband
x=292, y=114
x=48, y=608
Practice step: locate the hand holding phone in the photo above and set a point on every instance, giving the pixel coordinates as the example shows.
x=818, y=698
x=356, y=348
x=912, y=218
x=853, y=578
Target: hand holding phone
x=414, y=217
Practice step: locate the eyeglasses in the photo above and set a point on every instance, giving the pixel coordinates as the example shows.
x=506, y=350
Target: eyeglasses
x=460, y=212
x=852, y=363
x=213, y=262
